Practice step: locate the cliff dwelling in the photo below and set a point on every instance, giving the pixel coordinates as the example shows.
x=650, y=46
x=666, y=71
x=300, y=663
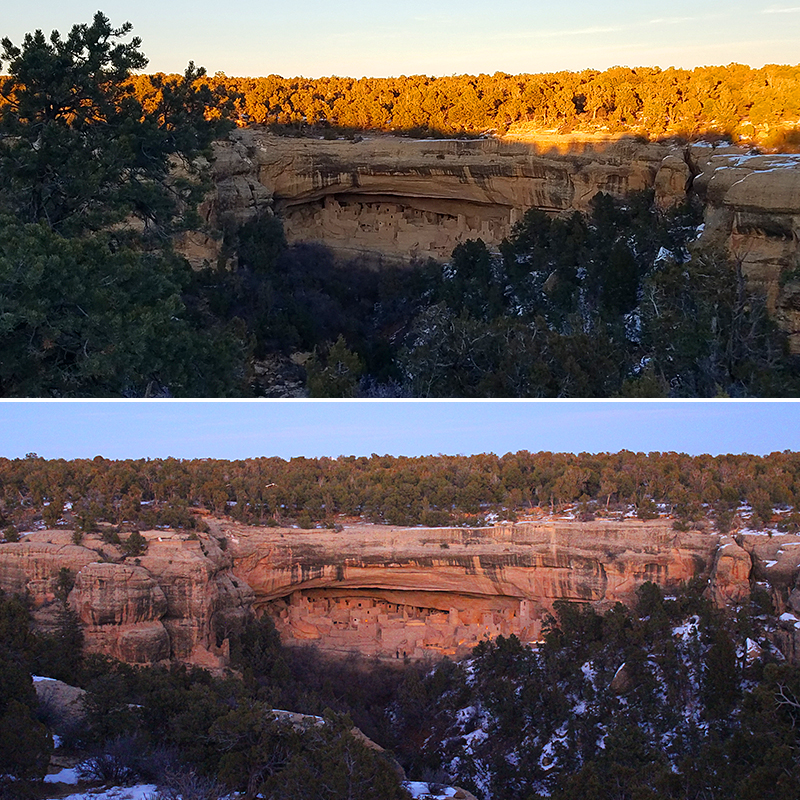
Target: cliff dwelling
x=395, y=226
x=399, y=625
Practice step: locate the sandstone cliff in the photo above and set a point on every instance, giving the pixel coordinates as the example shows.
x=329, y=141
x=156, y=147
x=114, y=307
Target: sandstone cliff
x=177, y=602
x=385, y=197
x=394, y=592
x=382, y=590
x=397, y=198
x=753, y=211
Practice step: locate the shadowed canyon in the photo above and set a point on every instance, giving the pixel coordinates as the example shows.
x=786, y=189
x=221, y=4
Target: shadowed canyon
x=386, y=198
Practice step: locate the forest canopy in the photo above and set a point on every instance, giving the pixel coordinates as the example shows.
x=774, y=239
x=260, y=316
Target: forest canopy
x=429, y=490
x=735, y=100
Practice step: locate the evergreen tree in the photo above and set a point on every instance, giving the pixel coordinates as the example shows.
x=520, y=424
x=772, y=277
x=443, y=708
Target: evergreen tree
x=91, y=294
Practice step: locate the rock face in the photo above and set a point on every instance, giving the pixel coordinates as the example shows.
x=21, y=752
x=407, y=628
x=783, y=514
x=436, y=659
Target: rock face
x=379, y=590
x=394, y=592
x=753, y=211
x=121, y=607
x=60, y=699
x=398, y=199
x=178, y=602
x=776, y=571
x=402, y=199
x=730, y=577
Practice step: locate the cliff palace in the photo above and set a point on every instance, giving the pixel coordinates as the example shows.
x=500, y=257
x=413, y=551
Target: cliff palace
x=390, y=198
x=381, y=591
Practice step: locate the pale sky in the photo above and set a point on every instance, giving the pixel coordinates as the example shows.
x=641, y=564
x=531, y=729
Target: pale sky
x=435, y=37
x=235, y=430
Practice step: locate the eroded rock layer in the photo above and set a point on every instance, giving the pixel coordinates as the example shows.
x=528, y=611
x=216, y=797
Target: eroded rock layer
x=412, y=592
x=385, y=197
x=382, y=591
x=408, y=198
x=177, y=602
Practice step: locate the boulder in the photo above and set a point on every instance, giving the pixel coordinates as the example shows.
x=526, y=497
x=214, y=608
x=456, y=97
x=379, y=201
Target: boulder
x=673, y=180
x=730, y=574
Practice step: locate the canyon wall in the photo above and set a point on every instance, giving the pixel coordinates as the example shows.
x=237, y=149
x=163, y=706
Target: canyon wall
x=411, y=592
x=402, y=199
x=387, y=198
x=752, y=207
x=382, y=591
x=176, y=602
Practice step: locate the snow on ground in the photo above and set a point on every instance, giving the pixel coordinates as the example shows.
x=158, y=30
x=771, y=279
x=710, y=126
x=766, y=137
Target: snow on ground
x=474, y=737
x=589, y=673
x=142, y=791
x=688, y=629
x=466, y=714
x=66, y=775
x=419, y=789
x=37, y=678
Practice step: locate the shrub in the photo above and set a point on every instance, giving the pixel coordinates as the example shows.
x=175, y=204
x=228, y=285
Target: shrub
x=119, y=762
x=134, y=545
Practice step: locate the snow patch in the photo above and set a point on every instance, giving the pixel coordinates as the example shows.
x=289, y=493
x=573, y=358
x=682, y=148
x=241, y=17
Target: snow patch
x=142, y=791
x=689, y=628
x=66, y=775
x=663, y=255
x=419, y=790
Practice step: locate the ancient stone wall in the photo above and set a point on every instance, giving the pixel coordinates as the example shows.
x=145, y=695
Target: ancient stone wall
x=400, y=625
x=414, y=592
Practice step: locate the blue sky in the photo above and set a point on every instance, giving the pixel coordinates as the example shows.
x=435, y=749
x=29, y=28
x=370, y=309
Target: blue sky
x=311, y=428
x=364, y=37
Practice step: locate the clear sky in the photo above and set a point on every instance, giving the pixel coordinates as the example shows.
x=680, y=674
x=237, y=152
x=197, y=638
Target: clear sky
x=235, y=430
x=434, y=37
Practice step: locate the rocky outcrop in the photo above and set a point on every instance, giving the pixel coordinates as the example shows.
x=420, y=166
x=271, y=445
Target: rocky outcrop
x=121, y=608
x=390, y=198
x=753, y=211
x=397, y=198
x=177, y=602
x=395, y=592
x=59, y=700
x=32, y=566
x=776, y=572
x=384, y=591
x=730, y=576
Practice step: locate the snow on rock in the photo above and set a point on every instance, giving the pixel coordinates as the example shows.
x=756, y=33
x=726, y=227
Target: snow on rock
x=466, y=714
x=688, y=630
x=424, y=791
x=475, y=737
x=753, y=651
x=664, y=255
x=549, y=757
